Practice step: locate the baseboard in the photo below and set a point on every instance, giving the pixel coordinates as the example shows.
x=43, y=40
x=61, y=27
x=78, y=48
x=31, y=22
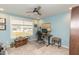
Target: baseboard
x=6, y=45
x=65, y=46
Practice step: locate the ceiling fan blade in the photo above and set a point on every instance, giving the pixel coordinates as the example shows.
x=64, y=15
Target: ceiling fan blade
x=35, y=10
x=29, y=11
x=38, y=13
x=38, y=8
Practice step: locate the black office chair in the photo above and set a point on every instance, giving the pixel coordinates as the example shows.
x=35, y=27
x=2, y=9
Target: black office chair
x=40, y=40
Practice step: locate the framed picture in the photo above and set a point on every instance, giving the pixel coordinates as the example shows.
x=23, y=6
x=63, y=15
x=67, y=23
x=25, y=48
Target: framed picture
x=2, y=24
x=46, y=26
x=35, y=25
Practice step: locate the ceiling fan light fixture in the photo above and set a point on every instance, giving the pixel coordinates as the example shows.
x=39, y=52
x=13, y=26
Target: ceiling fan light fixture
x=70, y=8
x=1, y=9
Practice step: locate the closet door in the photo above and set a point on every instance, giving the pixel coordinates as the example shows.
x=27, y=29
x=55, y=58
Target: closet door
x=74, y=36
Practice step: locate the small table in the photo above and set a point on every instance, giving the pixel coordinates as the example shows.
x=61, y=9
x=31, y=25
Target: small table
x=56, y=40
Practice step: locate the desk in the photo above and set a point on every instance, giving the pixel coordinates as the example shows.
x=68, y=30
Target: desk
x=47, y=36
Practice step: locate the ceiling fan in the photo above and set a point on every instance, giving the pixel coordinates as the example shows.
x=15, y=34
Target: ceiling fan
x=35, y=10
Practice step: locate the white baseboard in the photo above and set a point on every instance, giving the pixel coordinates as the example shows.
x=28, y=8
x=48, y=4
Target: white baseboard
x=8, y=45
x=65, y=46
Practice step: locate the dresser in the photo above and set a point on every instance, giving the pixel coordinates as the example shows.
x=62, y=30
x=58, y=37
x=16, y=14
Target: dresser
x=20, y=41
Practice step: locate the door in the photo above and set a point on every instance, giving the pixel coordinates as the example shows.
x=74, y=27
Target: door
x=74, y=35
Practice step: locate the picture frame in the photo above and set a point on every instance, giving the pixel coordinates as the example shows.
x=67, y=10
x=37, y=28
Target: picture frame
x=2, y=23
x=35, y=25
x=46, y=26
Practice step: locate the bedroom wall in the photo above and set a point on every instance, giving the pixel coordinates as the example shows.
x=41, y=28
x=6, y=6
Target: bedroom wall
x=38, y=22
x=5, y=36
x=60, y=27
x=60, y=24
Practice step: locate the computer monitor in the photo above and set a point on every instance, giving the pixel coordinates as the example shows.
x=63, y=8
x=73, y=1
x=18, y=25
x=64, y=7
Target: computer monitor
x=44, y=31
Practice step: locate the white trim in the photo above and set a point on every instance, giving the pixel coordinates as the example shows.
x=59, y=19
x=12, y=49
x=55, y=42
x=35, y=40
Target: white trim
x=65, y=46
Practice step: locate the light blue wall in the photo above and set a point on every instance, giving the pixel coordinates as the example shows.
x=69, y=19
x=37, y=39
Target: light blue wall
x=60, y=26
x=5, y=34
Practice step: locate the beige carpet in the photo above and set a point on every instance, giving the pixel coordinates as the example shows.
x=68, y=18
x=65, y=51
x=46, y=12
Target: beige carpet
x=33, y=48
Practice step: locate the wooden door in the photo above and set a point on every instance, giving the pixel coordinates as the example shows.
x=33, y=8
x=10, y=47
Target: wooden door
x=74, y=36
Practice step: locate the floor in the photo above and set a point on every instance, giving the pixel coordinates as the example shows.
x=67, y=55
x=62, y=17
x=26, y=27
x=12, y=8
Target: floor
x=33, y=48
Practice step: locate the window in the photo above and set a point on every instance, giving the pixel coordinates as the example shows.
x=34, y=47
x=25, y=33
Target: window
x=21, y=27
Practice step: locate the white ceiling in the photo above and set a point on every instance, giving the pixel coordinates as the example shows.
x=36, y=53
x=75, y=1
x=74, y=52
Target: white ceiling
x=46, y=10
